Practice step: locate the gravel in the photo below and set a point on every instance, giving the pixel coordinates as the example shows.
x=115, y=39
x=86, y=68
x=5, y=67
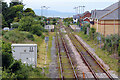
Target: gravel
x=81, y=67
x=53, y=71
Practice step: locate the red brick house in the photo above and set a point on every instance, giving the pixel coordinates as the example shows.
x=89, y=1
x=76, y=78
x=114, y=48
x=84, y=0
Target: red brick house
x=86, y=16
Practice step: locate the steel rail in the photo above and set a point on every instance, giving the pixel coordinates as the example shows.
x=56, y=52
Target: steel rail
x=109, y=76
x=67, y=52
x=61, y=68
x=86, y=62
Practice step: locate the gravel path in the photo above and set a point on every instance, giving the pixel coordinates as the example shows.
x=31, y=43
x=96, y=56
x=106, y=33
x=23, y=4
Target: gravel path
x=53, y=71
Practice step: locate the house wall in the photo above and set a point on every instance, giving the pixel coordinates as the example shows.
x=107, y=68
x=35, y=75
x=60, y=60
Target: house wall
x=107, y=27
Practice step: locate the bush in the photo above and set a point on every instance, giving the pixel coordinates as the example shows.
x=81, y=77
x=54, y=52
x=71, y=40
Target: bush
x=38, y=33
x=3, y=32
x=43, y=36
x=26, y=23
x=30, y=36
x=92, y=33
x=37, y=29
x=7, y=58
x=16, y=66
x=119, y=48
x=15, y=25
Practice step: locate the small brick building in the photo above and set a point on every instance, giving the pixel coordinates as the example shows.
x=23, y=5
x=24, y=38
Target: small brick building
x=86, y=16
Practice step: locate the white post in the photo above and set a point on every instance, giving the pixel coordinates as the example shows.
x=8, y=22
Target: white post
x=97, y=25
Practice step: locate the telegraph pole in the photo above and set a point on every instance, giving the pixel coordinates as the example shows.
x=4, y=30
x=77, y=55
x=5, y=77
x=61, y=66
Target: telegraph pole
x=47, y=11
x=83, y=8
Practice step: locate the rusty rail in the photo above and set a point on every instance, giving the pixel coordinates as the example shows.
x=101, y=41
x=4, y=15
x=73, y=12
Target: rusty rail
x=110, y=77
x=67, y=52
x=61, y=68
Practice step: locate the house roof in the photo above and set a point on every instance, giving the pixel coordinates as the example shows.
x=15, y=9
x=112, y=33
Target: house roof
x=111, y=15
x=76, y=16
x=82, y=15
x=95, y=14
x=113, y=6
x=108, y=13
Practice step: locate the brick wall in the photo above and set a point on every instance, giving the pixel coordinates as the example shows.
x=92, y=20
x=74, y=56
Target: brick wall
x=107, y=27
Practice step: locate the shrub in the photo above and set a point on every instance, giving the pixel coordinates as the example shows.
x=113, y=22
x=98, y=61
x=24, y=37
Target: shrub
x=119, y=48
x=16, y=66
x=92, y=33
x=15, y=25
x=30, y=36
x=38, y=33
x=3, y=32
x=7, y=58
x=43, y=36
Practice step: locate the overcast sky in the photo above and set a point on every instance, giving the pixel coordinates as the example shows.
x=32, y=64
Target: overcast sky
x=67, y=5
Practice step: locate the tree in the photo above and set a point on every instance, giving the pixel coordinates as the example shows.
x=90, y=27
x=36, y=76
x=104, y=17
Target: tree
x=13, y=12
x=36, y=29
x=15, y=2
x=4, y=9
x=26, y=23
x=4, y=23
x=29, y=12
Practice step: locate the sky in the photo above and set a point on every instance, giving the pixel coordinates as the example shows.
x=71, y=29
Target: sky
x=67, y=5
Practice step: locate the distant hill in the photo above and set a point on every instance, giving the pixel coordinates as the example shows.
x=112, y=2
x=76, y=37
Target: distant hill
x=54, y=13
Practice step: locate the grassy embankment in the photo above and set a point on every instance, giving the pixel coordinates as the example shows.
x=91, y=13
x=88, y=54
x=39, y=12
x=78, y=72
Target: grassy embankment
x=16, y=36
x=104, y=55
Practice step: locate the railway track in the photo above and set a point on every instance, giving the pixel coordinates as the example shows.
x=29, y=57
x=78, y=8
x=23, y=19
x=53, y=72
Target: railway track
x=93, y=65
x=66, y=66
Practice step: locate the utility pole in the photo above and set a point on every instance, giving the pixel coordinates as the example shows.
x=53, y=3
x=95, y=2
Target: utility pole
x=75, y=9
x=79, y=9
x=83, y=8
x=47, y=11
x=42, y=8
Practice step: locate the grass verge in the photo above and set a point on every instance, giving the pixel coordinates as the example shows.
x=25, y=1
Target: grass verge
x=42, y=52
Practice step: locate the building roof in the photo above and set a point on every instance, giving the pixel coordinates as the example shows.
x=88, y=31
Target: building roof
x=76, y=16
x=111, y=15
x=20, y=45
x=82, y=15
x=108, y=13
x=113, y=6
x=95, y=14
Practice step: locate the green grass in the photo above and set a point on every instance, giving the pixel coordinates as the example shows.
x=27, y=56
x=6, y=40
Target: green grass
x=16, y=36
x=104, y=55
x=42, y=52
